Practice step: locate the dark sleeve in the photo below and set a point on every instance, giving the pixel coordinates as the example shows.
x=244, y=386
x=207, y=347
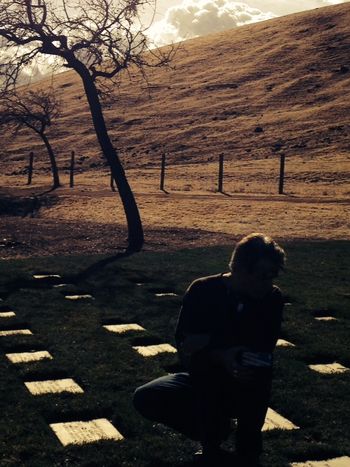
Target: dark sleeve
x=194, y=319
x=275, y=313
x=192, y=316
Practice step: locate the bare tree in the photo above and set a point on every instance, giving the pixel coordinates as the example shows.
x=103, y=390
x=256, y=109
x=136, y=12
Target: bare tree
x=36, y=111
x=97, y=39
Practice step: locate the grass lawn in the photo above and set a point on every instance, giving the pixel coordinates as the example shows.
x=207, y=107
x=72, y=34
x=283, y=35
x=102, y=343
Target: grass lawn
x=108, y=369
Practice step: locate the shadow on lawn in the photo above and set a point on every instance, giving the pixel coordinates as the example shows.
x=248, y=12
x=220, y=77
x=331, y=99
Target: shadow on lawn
x=23, y=206
x=93, y=268
x=14, y=285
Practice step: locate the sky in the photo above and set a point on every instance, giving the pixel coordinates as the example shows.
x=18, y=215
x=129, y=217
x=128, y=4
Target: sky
x=178, y=20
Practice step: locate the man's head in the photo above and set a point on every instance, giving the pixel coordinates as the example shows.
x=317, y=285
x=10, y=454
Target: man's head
x=256, y=260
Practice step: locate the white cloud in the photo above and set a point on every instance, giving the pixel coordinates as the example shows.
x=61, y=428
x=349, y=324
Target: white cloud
x=193, y=18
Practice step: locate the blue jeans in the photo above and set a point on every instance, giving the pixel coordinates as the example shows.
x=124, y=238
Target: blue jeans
x=201, y=409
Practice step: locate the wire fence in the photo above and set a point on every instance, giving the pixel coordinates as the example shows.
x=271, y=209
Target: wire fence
x=276, y=174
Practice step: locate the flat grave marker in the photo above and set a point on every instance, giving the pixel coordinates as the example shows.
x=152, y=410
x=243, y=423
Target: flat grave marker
x=46, y=276
x=274, y=420
x=16, y=332
x=326, y=318
x=122, y=328
x=85, y=432
x=284, y=343
x=336, y=462
x=329, y=368
x=7, y=314
x=27, y=357
x=79, y=297
x=53, y=386
x=166, y=294
x=152, y=350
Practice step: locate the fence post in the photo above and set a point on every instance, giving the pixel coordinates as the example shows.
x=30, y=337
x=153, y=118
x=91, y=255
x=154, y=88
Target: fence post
x=30, y=168
x=221, y=173
x=162, y=173
x=281, y=180
x=112, y=182
x=71, y=173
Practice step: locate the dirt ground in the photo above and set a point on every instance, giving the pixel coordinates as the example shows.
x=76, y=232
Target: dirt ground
x=89, y=218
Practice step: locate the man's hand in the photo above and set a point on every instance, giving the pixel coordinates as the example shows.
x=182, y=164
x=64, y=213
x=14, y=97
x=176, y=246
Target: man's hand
x=230, y=360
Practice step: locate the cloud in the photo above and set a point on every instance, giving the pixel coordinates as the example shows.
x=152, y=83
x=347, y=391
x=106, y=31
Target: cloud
x=193, y=18
x=41, y=66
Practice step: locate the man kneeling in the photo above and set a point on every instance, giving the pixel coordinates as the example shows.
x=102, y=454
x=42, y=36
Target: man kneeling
x=227, y=330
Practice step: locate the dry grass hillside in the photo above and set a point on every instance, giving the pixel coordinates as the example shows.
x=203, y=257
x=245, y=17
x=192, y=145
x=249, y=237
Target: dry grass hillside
x=250, y=93
x=289, y=76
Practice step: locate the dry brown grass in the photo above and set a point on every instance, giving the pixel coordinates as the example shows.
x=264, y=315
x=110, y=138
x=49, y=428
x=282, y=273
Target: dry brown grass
x=284, y=75
x=289, y=76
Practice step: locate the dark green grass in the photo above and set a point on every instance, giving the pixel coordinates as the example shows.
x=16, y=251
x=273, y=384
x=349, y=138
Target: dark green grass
x=108, y=369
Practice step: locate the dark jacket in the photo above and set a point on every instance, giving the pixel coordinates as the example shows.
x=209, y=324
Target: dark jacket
x=210, y=307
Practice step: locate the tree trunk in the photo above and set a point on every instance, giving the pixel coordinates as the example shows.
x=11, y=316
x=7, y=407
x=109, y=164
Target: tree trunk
x=54, y=169
x=135, y=230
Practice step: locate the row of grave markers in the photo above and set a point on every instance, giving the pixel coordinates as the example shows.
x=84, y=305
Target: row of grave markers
x=74, y=432
x=82, y=432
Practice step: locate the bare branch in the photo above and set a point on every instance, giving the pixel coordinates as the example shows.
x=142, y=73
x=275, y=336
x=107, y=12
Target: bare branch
x=35, y=110
x=95, y=38
x=105, y=35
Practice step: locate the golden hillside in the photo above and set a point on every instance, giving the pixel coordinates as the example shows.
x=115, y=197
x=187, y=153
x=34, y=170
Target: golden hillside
x=282, y=84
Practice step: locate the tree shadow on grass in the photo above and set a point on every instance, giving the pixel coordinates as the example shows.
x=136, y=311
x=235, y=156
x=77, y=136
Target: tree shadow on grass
x=96, y=267
x=23, y=206
x=16, y=284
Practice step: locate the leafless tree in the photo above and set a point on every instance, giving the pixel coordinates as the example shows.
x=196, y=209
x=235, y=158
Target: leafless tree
x=36, y=111
x=95, y=38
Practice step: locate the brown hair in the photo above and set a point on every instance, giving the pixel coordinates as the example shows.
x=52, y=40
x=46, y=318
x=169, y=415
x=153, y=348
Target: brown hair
x=254, y=247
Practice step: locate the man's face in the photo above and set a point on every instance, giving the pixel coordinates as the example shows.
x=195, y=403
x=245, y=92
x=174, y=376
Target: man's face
x=258, y=282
